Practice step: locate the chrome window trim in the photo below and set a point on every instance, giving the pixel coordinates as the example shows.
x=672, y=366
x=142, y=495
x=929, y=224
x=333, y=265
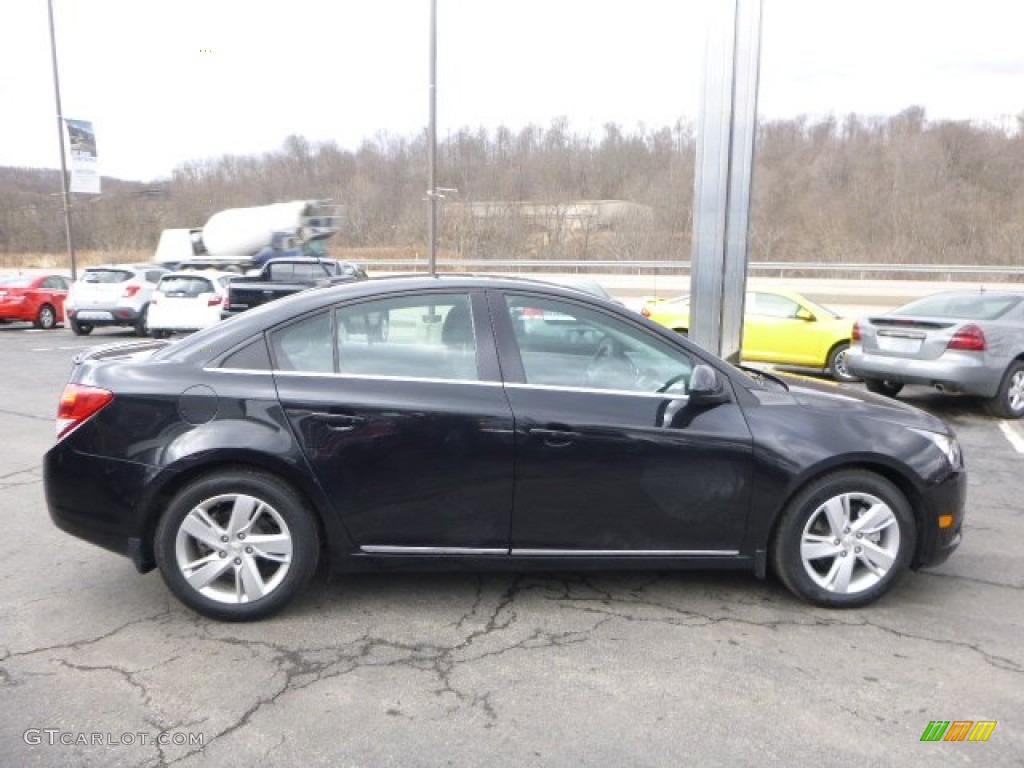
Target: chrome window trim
x=376, y=377
x=594, y=390
x=372, y=377
x=245, y=371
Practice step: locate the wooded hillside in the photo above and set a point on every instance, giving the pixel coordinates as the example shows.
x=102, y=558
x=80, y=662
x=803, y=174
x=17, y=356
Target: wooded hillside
x=887, y=190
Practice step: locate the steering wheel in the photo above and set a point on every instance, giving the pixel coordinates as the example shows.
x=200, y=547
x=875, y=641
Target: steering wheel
x=674, y=380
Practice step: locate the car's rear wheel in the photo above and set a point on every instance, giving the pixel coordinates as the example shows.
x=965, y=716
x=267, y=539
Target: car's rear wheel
x=1008, y=402
x=80, y=329
x=236, y=545
x=159, y=333
x=837, y=364
x=880, y=387
x=140, y=324
x=843, y=541
x=681, y=331
x=46, y=317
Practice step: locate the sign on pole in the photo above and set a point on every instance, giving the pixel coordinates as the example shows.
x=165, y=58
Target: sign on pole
x=85, y=177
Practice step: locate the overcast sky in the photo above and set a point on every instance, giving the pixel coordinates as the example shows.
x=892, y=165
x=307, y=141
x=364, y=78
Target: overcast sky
x=168, y=81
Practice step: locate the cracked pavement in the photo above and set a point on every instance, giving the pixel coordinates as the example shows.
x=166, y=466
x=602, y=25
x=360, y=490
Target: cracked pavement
x=503, y=669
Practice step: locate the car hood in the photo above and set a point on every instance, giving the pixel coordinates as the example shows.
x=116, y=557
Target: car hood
x=824, y=396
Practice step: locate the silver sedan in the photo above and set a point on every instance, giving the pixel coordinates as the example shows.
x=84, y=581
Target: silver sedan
x=969, y=342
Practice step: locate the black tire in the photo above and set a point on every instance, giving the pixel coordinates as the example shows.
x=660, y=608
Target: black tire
x=681, y=331
x=160, y=333
x=836, y=365
x=140, y=324
x=1008, y=402
x=268, y=508
x=46, y=318
x=80, y=329
x=887, y=388
x=864, y=564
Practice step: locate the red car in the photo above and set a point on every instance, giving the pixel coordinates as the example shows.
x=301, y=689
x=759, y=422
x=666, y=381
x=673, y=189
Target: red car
x=38, y=299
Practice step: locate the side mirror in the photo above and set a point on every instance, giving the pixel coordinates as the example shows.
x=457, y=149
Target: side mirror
x=805, y=314
x=706, y=388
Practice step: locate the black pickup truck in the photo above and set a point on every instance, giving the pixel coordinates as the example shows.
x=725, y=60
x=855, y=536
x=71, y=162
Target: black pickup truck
x=283, y=277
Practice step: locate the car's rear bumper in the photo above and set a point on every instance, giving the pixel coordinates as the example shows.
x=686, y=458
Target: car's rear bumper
x=103, y=315
x=12, y=312
x=92, y=498
x=953, y=372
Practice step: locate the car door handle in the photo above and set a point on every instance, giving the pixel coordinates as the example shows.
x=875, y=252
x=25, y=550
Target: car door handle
x=339, y=422
x=555, y=438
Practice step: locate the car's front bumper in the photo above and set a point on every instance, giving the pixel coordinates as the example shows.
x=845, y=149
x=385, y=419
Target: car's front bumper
x=961, y=372
x=947, y=498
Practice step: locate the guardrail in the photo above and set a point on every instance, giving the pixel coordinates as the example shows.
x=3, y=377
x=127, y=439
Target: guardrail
x=782, y=268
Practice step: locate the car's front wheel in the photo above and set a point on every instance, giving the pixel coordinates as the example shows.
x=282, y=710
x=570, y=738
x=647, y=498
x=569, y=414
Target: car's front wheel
x=844, y=540
x=880, y=387
x=236, y=545
x=46, y=317
x=1008, y=402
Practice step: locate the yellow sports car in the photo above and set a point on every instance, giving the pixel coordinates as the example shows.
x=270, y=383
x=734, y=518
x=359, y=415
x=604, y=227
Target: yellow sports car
x=781, y=327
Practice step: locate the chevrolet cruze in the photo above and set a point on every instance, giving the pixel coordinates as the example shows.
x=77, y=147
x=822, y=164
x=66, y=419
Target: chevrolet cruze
x=458, y=422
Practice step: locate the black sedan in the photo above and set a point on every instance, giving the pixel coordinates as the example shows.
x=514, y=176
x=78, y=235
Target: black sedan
x=426, y=422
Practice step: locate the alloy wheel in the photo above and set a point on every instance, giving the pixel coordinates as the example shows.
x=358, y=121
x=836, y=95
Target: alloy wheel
x=850, y=542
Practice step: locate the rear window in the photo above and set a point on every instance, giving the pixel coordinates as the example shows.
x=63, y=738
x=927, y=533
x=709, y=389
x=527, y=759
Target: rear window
x=107, y=276
x=978, y=306
x=15, y=281
x=185, y=286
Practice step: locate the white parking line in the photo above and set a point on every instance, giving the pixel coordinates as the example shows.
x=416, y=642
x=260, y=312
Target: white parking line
x=1013, y=432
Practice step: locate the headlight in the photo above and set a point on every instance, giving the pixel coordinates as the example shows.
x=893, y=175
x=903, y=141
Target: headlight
x=948, y=444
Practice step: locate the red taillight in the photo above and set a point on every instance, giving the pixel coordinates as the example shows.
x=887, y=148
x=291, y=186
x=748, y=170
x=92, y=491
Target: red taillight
x=131, y=290
x=77, y=404
x=532, y=312
x=970, y=337
x=214, y=301
x=645, y=312
x=855, y=332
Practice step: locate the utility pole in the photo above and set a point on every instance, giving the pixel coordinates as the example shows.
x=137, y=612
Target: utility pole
x=65, y=193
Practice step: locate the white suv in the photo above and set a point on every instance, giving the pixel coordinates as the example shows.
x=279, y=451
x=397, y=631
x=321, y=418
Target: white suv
x=115, y=294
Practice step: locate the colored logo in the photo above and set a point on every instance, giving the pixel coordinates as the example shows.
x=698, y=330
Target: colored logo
x=958, y=730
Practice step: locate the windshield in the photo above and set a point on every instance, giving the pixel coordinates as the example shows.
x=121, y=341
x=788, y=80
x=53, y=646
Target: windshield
x=960, y=306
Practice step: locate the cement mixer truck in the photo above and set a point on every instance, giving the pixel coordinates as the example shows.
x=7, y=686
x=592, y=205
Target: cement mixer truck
x=243, y=239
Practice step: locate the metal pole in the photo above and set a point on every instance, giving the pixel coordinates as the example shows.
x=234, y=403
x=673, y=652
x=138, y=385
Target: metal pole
x=432, y=139
x=66, y=194
x=722, y=180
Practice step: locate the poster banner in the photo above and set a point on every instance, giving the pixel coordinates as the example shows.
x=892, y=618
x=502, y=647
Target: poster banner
x=85, y=177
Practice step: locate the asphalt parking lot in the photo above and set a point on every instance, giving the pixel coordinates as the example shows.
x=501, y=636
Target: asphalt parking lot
x=100, y=666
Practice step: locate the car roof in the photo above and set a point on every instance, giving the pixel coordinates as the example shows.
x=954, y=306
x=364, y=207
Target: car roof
x=125, y=267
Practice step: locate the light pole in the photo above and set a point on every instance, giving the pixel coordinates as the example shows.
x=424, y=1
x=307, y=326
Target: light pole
x=65, y=193
x=432, y=141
